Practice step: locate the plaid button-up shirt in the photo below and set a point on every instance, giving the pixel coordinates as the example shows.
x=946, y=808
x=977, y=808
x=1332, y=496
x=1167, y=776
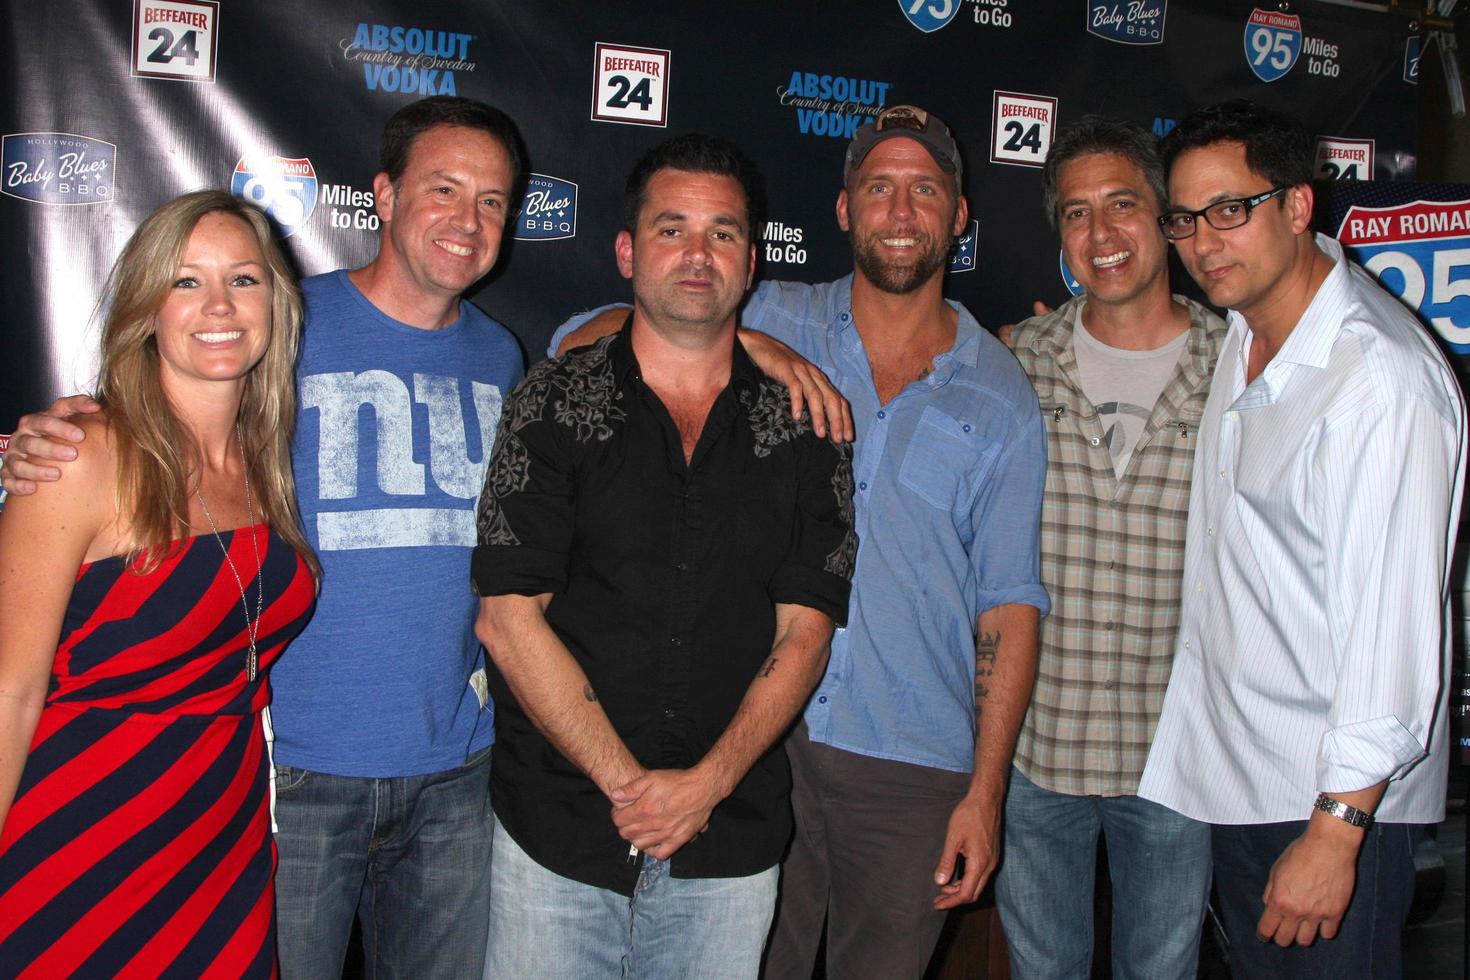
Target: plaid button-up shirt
x=1112, y=558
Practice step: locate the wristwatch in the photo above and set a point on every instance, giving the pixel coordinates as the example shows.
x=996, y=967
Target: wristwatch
x=1340, y=810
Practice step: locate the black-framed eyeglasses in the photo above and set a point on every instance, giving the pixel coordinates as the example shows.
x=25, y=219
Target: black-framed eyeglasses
x=1222, y=215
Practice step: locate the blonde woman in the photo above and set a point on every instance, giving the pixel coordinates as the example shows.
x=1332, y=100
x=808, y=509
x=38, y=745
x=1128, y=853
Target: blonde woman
x=142, y=599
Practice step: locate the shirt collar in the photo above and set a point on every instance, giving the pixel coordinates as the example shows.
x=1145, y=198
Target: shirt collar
x=1310, y=341
x=964, y=351
x=1054, y=332
x=743, y=371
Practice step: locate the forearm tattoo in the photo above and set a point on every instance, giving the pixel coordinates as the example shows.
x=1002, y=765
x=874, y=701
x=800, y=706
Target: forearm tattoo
x=769, y=667
x=986, y=645
x=588, y=693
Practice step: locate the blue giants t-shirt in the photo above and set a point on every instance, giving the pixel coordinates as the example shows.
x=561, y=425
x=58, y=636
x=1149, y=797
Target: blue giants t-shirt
x=394, y=431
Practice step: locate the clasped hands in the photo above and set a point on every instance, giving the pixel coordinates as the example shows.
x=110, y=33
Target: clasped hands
x=661, y=810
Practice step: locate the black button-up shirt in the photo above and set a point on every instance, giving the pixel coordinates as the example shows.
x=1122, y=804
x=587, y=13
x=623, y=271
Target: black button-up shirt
x=664, y=579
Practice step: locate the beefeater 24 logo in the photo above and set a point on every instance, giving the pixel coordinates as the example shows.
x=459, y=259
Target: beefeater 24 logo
x=175, y=39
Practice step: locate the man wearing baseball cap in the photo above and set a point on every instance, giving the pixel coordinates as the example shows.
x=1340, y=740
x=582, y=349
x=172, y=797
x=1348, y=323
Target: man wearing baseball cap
x=900, y=760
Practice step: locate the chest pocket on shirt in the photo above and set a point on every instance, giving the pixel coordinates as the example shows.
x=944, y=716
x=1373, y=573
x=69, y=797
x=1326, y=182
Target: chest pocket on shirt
x=946, y=461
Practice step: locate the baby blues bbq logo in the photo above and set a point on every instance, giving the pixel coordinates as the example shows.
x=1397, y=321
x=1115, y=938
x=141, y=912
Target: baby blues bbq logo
x=832, y=105
x=1273, y=41
x=1420, y=252
x=1127, y=21
x=962, y=252
x=282, y=187
x=57, y=168
x=175, y=39
x=549, y=210
x=415, y=61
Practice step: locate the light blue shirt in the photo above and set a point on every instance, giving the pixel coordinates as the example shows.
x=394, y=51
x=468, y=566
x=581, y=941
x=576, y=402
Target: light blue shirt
x=949, y=476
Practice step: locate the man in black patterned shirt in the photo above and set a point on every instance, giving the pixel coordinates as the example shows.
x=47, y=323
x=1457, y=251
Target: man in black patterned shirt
x=663, y=552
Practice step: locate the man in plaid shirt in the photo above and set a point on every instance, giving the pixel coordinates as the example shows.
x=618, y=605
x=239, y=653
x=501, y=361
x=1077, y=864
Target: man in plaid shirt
x=1122, y=372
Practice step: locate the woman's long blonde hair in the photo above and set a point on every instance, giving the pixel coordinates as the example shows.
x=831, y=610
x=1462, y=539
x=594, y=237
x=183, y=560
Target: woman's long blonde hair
x=158, y=461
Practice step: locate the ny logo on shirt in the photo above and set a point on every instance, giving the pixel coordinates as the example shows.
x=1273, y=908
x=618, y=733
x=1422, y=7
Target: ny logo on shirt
x=339, y=398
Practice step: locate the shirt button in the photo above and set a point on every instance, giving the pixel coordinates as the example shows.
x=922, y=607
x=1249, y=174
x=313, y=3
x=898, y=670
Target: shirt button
x=1107, y=685
x=1186, y=644
x=668, y=712
x=845, y=318
x=863, y=486
x=882, y=414
x=1112, y=565
x=1210, y=530
x=1199, y=588
x=675, y=641
x=1222, y=474
x=1108, y=627
x=822, y=699
x=681, y=567
x=966, y=427
x=1096, y=441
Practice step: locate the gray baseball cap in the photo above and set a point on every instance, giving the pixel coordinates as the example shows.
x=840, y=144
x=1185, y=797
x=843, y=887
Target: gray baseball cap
x=913, y=123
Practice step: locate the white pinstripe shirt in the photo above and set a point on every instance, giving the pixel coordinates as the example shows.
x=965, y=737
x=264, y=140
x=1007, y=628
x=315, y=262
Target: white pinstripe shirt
x=1313, y=652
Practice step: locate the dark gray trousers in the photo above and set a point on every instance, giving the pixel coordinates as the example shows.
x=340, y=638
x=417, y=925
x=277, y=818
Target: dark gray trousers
x=868, y=835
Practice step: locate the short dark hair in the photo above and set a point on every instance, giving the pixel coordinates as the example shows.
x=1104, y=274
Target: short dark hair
x=409, y=123
x=1100, y=134
x=1277, y=146
x=699, y=154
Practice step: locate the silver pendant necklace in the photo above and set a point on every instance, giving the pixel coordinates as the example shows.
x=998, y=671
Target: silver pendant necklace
x=252, y=627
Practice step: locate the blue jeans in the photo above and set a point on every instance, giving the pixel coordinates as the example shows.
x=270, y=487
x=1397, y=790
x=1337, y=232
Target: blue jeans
x=546, y=927
x=1159, y=864
x=1368, y=940
x=409, y=857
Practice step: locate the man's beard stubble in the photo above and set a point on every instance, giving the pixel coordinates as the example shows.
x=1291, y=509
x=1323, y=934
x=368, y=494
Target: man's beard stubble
x=894, y=277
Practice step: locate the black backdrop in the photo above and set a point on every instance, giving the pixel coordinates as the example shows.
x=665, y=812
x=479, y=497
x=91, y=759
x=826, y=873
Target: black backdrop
x=110, y=107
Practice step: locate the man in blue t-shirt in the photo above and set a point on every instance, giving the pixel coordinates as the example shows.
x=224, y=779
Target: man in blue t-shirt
x=382, y=717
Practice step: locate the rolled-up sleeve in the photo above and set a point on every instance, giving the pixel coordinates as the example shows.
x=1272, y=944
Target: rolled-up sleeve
x=525, y=518
x=1006, y=552
x=817, y=570
x=1386, y=484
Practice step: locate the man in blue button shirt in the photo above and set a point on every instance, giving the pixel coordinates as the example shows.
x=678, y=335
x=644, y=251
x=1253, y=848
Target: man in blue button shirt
x=900, y=761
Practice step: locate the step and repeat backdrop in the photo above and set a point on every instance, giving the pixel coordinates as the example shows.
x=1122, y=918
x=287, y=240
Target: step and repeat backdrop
x=110, y=107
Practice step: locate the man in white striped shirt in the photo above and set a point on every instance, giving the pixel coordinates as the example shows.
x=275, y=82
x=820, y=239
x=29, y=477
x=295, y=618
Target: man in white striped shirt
x=1306, y=715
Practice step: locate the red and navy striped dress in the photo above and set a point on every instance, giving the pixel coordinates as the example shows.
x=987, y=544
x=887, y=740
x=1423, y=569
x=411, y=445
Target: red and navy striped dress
x=139, y=842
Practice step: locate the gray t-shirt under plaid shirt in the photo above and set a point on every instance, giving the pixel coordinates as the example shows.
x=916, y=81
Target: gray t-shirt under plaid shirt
x=1112, y=556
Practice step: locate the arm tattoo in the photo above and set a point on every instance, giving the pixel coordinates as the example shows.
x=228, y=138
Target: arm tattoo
x=588, y=693
x=986, y=645
x=769, y=667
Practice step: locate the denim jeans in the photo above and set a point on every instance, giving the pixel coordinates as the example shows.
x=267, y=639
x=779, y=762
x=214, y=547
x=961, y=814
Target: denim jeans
x=546, y=927
x=409, y=857
x=1159, y=864
x=1368, y=940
